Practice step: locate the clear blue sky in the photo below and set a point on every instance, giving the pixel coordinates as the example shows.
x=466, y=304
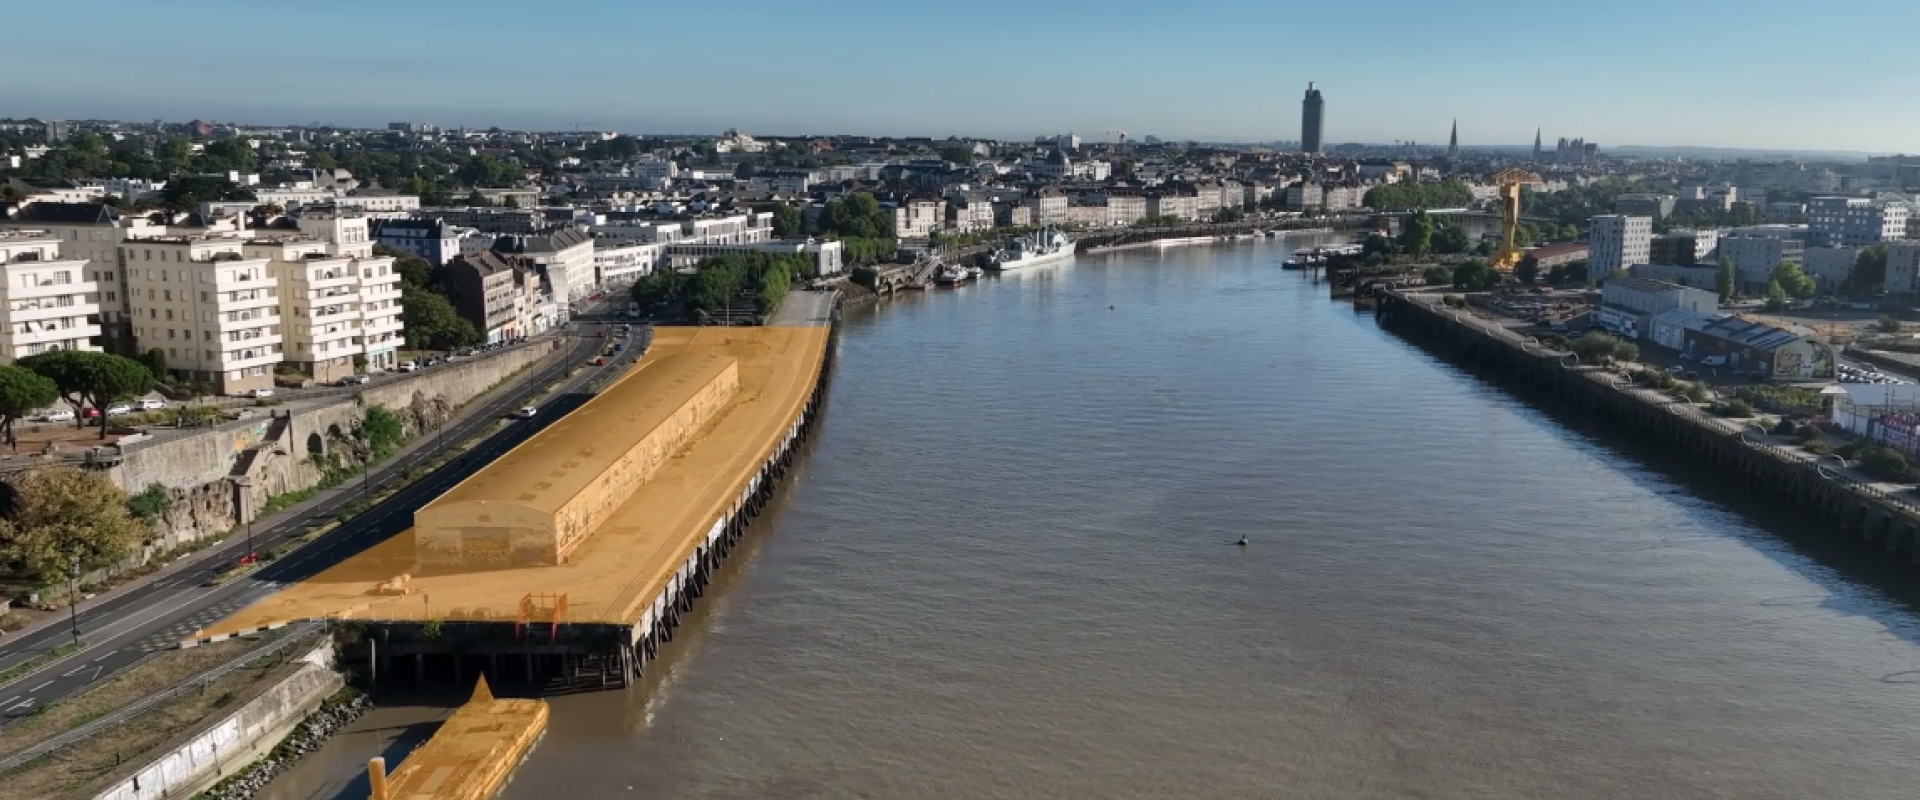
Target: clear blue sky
x=1738, y=73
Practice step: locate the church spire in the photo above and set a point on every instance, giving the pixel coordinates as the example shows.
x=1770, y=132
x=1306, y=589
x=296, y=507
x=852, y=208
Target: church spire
x=1536, y=144
x=1453, y=141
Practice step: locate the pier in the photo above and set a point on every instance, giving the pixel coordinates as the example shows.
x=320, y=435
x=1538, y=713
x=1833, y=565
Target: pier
x=470, y=757
x=568, y=563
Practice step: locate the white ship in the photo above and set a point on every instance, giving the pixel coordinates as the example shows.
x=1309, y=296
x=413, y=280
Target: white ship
x=1044, y=246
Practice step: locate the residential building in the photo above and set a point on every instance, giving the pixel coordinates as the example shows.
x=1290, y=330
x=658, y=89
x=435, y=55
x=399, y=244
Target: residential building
x=211, y=308
x=1698, y=276
x=379, y=202
x=1903, y=269
x=1658, y=206
x=485, y=291
x=48, y=302
x=968, y=212
x=617, y=264
x=1787, y=354
x=1047, y=205
x=918, y=218
x=1628, y=305
x=92, y=233
x=563, y=258
x=1056, y=166
x=1682, y=247
x=1829, y=266
x=1302, y=196
x=1173, y=203
x=339, y=307
x=435, y=240
x=1617, y=241
x=1854, y=222
x=1789, y=212
x=1756, y=250
x=1313, y=121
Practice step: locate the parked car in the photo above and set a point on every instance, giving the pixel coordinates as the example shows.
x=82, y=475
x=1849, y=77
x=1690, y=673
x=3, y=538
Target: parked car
x=525, y=412
x=56, y=415
x=150, y=404
x=408, y=366
x=354, y=380
x=119, y=408
x=600, y=361
x=259, y=394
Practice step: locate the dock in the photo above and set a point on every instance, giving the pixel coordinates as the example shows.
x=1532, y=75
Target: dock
x=470, y=757
x=569, y=561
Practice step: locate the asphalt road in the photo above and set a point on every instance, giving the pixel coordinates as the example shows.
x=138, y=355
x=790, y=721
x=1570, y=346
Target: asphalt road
x=126, y=628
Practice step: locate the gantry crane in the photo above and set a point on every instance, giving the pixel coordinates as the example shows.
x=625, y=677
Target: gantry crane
x=1509, y=183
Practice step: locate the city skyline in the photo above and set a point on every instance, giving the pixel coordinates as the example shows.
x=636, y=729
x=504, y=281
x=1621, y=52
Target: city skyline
x=609, y=66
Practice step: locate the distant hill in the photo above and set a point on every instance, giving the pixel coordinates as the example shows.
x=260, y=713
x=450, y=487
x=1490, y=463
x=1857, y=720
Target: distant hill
x=1734, y=153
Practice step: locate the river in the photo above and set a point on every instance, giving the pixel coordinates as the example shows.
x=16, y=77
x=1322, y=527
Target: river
x=1006, y=568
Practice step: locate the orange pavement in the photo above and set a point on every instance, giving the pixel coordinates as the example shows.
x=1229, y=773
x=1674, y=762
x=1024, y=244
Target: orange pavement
x=617, y=570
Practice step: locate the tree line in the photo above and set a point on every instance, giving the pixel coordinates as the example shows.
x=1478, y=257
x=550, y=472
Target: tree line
x=1412, y=195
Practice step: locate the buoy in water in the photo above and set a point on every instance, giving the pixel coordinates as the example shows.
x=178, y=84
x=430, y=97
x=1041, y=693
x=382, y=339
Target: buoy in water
x=1242, y=542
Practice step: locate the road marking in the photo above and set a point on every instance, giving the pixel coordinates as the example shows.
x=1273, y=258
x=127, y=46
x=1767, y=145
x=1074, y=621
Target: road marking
x=27, y=703
x=38, y=688
x=75, y=671
x=3, y=703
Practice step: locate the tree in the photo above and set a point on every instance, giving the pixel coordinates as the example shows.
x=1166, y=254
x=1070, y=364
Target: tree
x=1451, y=240
x=187, y=192
x=1409, y=196
x=655, y=289
x=957, y=153
x=414, y=271
x=1723, y=280
x=155, y=360
x=229, y=155
x=1776, y=296
x=1376, y=243
x=1794, y=282
x=1416, y=236
x=431, y=323
x=22, y=392
x=786, y=220
x=1227, y=216
x=321, y=159
x=91, y=379
x=1527, y=271
x=857, y=214
x=1596, y=348
x=1475, y=276
x=61, y=516
x=1437, y=276
x=1869, y=275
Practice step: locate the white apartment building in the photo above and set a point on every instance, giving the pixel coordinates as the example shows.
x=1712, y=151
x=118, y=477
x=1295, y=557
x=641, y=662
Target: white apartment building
x=1616, y=242
x=918, y=219
x=379, y=203
x=92, y=233
x=214, y=311
x=622, y=263
x=1048, y=205
x=48, y=302
x=1854, y=222
x=563, y=258
x=339, y=313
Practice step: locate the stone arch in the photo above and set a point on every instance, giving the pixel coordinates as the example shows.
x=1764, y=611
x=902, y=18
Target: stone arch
x=315, y=445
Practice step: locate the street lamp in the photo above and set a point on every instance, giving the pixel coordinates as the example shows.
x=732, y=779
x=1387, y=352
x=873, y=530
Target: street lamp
x=73, y=597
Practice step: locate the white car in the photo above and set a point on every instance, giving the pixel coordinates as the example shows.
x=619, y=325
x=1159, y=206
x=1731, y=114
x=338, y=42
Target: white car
x=259, y=393
x=150, y=404
x=56, y=415
x=408, y=366
x=525, y=412
x=119, y=408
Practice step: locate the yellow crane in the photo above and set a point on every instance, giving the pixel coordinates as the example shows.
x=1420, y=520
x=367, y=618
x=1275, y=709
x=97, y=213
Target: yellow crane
x=1509, y=183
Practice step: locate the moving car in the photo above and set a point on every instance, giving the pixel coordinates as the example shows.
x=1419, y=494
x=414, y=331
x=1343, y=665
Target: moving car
x=119, y=408
x=259, y=393
x=525, y=412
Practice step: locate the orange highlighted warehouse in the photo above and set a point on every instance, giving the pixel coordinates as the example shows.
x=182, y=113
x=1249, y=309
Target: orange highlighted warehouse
x=580, y=547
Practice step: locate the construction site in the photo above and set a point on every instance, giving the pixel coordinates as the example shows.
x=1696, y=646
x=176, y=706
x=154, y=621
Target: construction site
x=567, y=562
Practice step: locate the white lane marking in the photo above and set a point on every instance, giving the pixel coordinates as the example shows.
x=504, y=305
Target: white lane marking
x=27, y=703
x=3, y=703
x=75, y=671
x=38, y=688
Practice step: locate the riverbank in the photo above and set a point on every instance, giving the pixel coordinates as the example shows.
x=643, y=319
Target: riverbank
x=1858, y=508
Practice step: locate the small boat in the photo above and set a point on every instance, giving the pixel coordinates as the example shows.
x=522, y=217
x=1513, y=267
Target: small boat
x=950, y=275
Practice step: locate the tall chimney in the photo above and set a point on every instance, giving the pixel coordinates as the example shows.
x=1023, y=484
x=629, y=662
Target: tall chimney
x=377, y=777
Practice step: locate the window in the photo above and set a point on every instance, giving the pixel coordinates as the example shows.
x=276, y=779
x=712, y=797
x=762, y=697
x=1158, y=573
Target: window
x=169, y=313
x=167, y=295
x=204, y=298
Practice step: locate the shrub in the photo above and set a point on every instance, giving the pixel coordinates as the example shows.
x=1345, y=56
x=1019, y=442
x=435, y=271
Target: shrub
x=1886, y=463
x=1785, y=428
x=1735, y=408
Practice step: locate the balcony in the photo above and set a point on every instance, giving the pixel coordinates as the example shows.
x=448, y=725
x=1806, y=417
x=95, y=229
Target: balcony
x=48, y=289
x=64, y=337
x=44, y=311
x=331, y=314
x=375, y=327
x=323, y=279
x=257, y=321
x=242, y=301
x=254, y=356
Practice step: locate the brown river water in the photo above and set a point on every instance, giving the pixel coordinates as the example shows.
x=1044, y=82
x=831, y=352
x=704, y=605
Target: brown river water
x=1006, y=568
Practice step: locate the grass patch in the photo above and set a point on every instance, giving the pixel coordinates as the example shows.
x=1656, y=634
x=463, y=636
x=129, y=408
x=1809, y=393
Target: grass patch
x=40, y=661
x=83, y=769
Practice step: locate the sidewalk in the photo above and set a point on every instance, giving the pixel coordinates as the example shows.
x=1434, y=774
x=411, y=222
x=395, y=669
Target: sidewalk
x=267, y=526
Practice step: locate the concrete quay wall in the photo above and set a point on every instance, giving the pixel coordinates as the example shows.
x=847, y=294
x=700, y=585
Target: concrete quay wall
x=1855, y=509
x=238, y=739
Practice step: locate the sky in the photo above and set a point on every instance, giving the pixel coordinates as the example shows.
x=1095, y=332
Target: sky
x=1768, y=74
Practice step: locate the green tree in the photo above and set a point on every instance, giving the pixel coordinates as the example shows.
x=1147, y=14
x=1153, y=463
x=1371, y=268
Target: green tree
x=1723, y=280
x=1409, y=196
x=1451, y=239
x=1437, y=276
x=430, y=323
x=1475, y=276
x=1227, y=216
x=321, y=159
x=1599, y=348
x=187, y=192
x=1776, y=295
x=655, y=289
x=1869, y=275
x=91, y=379
x=857, y=214
x=1527, y=271
x=1416, y=235
x=489, y=171
x=155, y=360
x=22, y=392
x=786, y=220
x=415, y=271
x=63, y=516
x=382, y=431
x=957, y=153
x=1376, y=243
x=1793, y=281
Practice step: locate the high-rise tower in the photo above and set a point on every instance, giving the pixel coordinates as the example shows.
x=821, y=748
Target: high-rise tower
x=1453, y=143
x=1312, y=120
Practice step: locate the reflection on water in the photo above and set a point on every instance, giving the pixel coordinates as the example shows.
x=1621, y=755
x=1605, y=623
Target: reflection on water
x=1007, y=570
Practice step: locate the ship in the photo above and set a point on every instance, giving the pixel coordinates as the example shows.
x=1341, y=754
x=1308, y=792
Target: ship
x=950, y=275
x=1045, y=246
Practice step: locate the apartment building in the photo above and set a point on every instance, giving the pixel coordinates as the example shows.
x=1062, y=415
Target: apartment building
x=1616, y=242
x=48, y=302
x=339, y=310
x=486, y=292
x=1854, y=222
x=1903, y=269
x=918, y=218
x=621, y=263
x=92, y=233
x=435, y=240
x=211, y=308
x=563, y=258
x=1756, y=250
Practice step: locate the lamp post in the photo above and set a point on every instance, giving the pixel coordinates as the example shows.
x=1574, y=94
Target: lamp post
x=73, y=597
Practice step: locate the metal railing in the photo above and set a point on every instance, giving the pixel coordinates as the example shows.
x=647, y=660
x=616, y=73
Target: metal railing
x=301, y=633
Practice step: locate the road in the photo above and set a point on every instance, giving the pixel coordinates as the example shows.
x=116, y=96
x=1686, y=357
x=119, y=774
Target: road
x=126, y=628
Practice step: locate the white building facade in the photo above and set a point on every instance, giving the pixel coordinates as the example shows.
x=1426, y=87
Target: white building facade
x=47, y=303
x=1616, y=242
